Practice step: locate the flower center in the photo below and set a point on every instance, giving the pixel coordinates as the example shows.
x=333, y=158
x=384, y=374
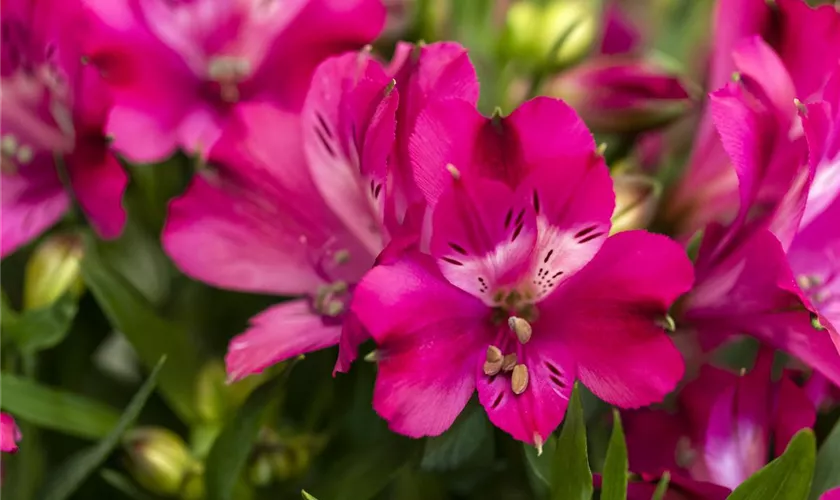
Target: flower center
x=818, y=288
x=506, y=356
x=228, y=72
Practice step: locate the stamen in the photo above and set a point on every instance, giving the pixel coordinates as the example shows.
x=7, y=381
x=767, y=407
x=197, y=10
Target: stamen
x=372, y=356
x=24, y=154
x=521, y=328
x=519, y=379
x=454, y=172
x=508, y=362
x=493, y=362
x=538, y=443
x=8, y=145
x=667, y=323
x=342, y=256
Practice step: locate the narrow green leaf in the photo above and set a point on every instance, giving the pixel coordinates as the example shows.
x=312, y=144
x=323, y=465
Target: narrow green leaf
x=662, y=486
x=231, y=448
x=151, y=335
x=46, y=326
x=457, y=445
x=56, y=410
x=307, y=496
x=614, y=486
x=540, y=463
x=571, y=478
x=785, y=478
x=67, y=479
x=827, y=472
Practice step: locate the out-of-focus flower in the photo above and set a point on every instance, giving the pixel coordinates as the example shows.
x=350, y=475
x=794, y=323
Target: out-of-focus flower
x=158, y=459
x=620, y=36
x=708, y=190
x=617, y=94
x=679, y=488
x=724, y=427
x=10, y=435
x=636, y=198
x=831, y=494
x=745, y=284
x=302, y=205
x=521, y=292
x=53, y=269
x=179, y=71
x=548, y=36
x=53, y=110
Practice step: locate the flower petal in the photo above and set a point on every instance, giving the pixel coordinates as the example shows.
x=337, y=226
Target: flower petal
x=805, y=27
x=430, y=336
x=794, y=412
x=9, y=434
x=607, y=318
x=279, y=333
x=99, y=182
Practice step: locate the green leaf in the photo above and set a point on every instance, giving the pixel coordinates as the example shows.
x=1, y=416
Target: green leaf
x=785, y=478
x=56, y=410
x=45, y=327
x=365, y=472
x=614, y=486
x=307, y=496
x=230, y=451
x=67, y=479
x=457, y=445
x=151, y=335
x=662, y=486
x=571, y=478
x=124, y=485
x=827, y=472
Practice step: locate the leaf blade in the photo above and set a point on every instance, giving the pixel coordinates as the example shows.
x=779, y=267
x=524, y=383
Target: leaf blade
x=67, y=479
x=827, y=470
x=571, y=477
x=614, y=486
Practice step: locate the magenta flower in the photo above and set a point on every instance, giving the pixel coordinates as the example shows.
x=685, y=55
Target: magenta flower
x=724, y=427
x=10, y=435
x=521, y=293
x=623, y=94
x=745, y=281
x=708, y=190
x=831, y=494
x=302, y=205
x=179, y=70
x=53, y=107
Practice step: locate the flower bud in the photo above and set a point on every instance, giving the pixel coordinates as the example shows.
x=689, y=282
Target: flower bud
x=618, y=95
x=211, y=392
x=553, y=36
x=636, y=199
x=53, y=270
x=158, y=459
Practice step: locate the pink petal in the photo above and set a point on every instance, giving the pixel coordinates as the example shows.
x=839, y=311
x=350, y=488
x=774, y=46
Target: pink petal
x=757, y=63
x=620, y=35
x=653, y=438
x=430, y=337
x=533, y=415
x=33, y=199
x=574, y=200
x=99, y=182
x=804, y=28
x=831, y=494
x=794, y=412
x=679, y=488
x=606, y=317
x=279, y=333
x=483, y=236
x=734, y=20
x=353, y=335
x=10, y=434
x=349, y=122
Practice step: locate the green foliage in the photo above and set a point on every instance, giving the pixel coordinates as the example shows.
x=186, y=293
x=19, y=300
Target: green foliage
x=571, y=477
x=827, y=472
x=614, y=486
x=785, y=478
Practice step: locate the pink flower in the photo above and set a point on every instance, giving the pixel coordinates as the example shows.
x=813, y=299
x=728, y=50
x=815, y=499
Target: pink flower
x=53, y=106
x=521, y=292
x=302, y=204
x=724, y=426
x=708, y=190
x=179, y=70
x=831, y=494
x=747, y=272
x=10, y=435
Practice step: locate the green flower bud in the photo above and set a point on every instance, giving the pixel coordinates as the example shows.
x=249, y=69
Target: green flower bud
x=158, y=459
x=53, y=270
x=211, y=392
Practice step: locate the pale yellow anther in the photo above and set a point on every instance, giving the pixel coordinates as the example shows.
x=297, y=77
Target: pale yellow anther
x=24, y=154
x=508, y=362
x=521, y=328
x=342, y=256
x=453, y=171
x=493, y=361
x=8, y=144
x=519, y=379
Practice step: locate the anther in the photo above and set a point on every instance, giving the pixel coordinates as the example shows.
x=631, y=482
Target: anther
x=8, y=145
x=454, y=172
x=342, y=256
x=667, y=323
x=24, y=154
x=493, y=362
x=508, y=362
x=521, y=328
x=519, y=379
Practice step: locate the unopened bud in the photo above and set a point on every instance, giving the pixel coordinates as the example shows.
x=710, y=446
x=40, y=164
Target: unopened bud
x=620, y=94
x=636, y=199
x=158, y=459
x=53, y=270
x=211, y=392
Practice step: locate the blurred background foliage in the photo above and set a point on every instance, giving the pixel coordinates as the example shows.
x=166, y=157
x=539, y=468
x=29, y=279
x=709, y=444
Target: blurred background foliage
x=85, y=323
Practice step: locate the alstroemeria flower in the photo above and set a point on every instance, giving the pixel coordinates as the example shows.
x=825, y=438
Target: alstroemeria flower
x=53, y=110
x=522, y=293
x=303, y=206
x=708, y=190
x=745, y=284
x=179, y=70
x=10, y=435
x=724, y=427
x=831, y=494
